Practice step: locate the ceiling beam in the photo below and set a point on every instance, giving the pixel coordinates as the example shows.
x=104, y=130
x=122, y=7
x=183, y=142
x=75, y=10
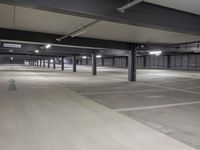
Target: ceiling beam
x=143, y=14
x=76, y=42
x=30, y=49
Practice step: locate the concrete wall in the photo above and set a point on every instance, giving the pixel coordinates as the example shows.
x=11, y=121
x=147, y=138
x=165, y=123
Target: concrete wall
x=177, y=62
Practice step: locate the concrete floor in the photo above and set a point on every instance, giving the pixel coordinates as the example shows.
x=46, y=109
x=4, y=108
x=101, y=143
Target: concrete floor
x=43, y=109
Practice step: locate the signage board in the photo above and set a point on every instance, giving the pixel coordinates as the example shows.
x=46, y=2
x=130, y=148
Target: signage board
x=11, y=45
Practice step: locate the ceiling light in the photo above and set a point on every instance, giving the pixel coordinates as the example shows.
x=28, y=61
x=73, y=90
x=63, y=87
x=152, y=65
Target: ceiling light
x=127, y=6
x=84, y=57
x=48, y=46
x=75, y=34
x=37, y=51
x=98, y=56
x=142, y=46
x=157, y=53
x=11, y=58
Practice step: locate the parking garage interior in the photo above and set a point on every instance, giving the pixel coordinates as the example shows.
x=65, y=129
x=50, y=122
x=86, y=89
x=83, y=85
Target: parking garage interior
x=97, y=74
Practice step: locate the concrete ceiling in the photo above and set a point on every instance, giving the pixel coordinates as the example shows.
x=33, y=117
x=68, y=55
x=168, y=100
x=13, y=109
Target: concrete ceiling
x=121, y=32
x=191, y=6
x=48, y=22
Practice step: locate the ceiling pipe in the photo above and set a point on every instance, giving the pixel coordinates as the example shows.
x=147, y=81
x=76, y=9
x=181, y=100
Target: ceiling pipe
x=129, y=5
x=79, y=31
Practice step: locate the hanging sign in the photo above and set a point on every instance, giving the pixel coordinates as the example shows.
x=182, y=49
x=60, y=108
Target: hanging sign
x=10, y=45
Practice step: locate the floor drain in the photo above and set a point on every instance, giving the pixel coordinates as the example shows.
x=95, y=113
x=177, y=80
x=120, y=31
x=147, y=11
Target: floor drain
x=12, y=85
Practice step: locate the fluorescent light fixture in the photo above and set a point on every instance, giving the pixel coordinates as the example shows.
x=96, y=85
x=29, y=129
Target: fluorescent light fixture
x=51, y=61
x=48, y=46
x=84, y=57
x=37, y=51
x=11, y=58
x=157, y=53
x=129, y=5
x=75, y=34
x=98, y=56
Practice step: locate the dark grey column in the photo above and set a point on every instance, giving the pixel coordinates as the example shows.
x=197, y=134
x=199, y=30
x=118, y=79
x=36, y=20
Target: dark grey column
x=44, y=63
x=102, y=61
x=196, y=62
x=40, y=63
x=145, y=61
x=168, y=61
x=87, y=61
x=54, y=63
x=62, y=64
x=81, y=61
x=126, y=61
x=74, y=63
x=132, y=64
x=94, y=63
x=37, y=62
x=113, y=62
x=48, y=62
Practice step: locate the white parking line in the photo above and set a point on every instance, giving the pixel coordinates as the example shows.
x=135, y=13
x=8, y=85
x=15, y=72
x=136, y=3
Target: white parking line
x=156, y=106
x=171, y=88
x=122, y=92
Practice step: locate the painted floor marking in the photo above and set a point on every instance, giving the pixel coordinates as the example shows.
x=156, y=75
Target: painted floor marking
x=156, y=106
x=122, y=92
x=171, y=88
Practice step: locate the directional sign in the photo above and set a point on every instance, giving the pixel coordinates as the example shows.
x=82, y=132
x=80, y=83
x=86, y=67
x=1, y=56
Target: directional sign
x=12, y=45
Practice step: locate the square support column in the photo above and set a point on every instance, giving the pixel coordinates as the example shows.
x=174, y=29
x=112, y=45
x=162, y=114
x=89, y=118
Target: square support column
x=145, y=61
x=94, y=63
x=102, y=61
x=81, y=61
x=113, y=62
x=40, y=63
x=169, y=61
x=62, y=64
x=37, y=63
x=86, y=61
x=48, y=62
x=54, y=63
x=44, y=63
x=132, y=64
x=74, y=63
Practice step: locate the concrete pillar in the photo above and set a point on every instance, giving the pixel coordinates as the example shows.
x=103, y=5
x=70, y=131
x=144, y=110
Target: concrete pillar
x=87, y=61
x=94, y=63
x=62, y=64
x=40, y=63
x=81, y=61
x=44, y=63
x=48, y=62
x=102, y=61
x=145, y=61
x=168, y=61
x=37, y=62
x=113, y=62
x=74, y=63
x=132, y=64
x=54, y=63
